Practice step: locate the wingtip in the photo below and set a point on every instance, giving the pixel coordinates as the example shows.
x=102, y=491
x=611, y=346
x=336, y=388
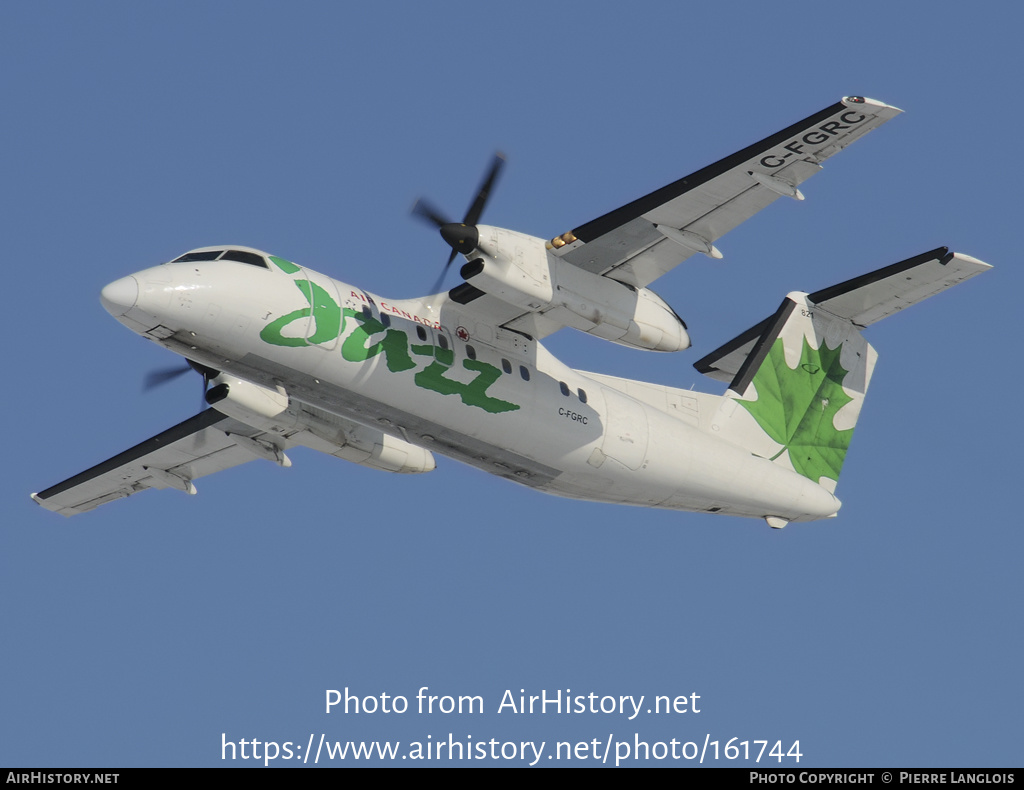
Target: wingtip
x=43, y=504
x=863, y=101
x=973, y=261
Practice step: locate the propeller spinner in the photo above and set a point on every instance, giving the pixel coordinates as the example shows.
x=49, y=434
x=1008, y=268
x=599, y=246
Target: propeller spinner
x=463, y=237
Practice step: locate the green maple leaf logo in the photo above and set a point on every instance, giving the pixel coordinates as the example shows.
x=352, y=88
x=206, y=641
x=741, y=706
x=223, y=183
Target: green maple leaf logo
x=797, y=407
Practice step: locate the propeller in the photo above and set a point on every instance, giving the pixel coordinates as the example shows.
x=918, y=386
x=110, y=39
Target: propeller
x=156, y=378
x=461, y=236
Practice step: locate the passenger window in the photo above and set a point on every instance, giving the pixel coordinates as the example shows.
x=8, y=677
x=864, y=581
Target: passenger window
x=564, y=387
x=583, y=395
x=442, y=341
x=470, y=352
x=421, y=333
x=385, y=319
x=506, y=366
x=524, y=372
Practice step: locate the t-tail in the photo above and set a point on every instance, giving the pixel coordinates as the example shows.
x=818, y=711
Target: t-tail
x=798, y=379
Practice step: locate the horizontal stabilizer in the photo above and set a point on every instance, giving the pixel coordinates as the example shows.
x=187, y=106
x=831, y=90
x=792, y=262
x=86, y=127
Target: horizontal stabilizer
x=862, y=301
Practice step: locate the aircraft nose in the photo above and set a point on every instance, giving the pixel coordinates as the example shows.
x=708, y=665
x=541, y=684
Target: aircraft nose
x=120, y=296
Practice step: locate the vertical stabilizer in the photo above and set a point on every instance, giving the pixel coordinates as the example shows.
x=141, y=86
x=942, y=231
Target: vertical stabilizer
x=798, y=395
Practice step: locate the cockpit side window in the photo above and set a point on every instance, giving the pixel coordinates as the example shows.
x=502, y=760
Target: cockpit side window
x=203, y=255
x=241, y=256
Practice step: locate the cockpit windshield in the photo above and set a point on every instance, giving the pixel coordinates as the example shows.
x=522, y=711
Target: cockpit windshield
x=241, y=256
x=202, y=255
x=250, y=257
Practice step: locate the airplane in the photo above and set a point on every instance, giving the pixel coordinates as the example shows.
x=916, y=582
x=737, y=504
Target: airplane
x=291, y=357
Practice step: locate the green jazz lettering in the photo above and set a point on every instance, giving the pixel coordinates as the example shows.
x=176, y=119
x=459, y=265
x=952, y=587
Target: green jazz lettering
x=474, y=393
x=324, y=320
x=395, y=344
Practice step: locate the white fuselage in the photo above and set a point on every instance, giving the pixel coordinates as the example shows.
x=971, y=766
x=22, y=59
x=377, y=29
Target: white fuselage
x=427, y=373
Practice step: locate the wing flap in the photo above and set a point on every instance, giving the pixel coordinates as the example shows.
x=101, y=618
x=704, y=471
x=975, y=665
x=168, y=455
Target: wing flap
x=649, y=264
x=605, y=253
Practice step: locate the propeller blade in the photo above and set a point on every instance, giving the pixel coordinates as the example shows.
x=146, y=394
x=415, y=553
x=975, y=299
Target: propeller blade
x=157, y=377
x=432, y=215
x=202, y=370
x=477, y=207
x=207, y=374
x=444, y=272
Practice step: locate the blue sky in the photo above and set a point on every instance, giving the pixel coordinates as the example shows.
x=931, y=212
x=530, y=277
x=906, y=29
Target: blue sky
x=139, y=633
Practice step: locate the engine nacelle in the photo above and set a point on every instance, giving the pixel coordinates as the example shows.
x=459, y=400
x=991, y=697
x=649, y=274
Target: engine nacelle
x=519, y=270
x=513, y=267
x=244, y=400
x=361, y=444
x=391, y=454
x=634, y=317
x=268, y=409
